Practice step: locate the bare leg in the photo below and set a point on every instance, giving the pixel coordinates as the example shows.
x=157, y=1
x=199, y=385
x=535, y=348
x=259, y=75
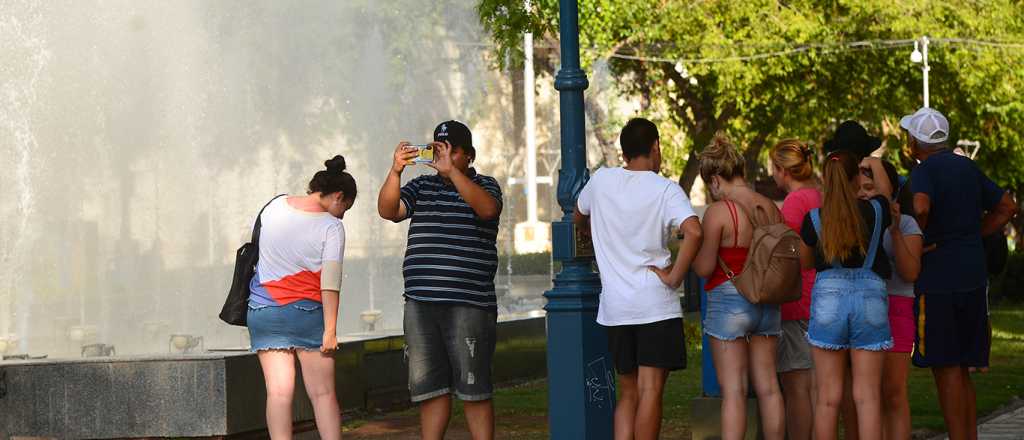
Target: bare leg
x=971, y=405
x=625, y=409
x=763, y=350
x=895, y=403
x=480, y=418
x=318, y=375
x=848, y=409
x=796, y=389
x=829, y=369
x=867, y=395
x=953, y=395
x=651, y=385
x=279, y=374
x=434, y=415
x=731, y=360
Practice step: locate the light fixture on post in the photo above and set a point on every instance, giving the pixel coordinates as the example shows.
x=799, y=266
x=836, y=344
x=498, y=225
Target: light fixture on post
x=921, y=56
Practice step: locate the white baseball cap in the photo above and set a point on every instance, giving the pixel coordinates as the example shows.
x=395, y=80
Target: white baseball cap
x=926, y=125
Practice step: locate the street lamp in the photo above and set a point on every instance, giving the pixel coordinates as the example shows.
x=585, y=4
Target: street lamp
x=581, y=383
x=921, y=56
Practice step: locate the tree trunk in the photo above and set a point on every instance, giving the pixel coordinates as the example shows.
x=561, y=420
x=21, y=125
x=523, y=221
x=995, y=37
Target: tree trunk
x=596, y=116
x=690, y=172
x=752, y=154
x=692, y=168
x=1017, y=223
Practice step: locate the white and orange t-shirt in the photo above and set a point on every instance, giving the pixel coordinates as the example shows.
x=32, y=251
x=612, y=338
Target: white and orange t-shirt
x=301, y=253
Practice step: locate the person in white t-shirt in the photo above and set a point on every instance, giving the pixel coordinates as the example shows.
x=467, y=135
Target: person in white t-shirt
x=631, y=213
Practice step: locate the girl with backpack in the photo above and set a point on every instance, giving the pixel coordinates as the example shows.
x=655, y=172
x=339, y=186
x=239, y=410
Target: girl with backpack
x=849, y=306
x=743, y=335
x=792, y=172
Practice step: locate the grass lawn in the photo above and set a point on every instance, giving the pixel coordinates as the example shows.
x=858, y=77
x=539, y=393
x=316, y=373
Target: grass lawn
x=1004, y=380
x=522, y=410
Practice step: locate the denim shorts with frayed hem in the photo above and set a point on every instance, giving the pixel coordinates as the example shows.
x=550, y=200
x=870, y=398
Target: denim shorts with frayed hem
x=449, y=349
x=293, y=326
x=730, y=316
x=849, y=309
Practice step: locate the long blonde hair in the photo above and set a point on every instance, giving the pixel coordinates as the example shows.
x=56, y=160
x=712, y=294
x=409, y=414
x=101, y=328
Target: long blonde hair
x=843, y=228
x=794, y=157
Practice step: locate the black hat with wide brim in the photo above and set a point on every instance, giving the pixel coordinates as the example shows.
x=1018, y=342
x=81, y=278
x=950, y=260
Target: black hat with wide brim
x=853, y=137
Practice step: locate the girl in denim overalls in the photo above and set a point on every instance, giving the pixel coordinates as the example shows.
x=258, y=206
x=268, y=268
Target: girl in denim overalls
x=849, y=304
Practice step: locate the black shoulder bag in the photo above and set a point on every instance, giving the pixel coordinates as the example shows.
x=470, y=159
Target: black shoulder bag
x=236, y=306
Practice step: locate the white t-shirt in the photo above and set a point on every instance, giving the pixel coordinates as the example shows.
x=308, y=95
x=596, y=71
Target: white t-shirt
x=632, y=216
x=896, y=285
x=301, y=253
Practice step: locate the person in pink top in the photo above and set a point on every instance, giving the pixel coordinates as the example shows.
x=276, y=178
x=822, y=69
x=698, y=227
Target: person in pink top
x=792, y=171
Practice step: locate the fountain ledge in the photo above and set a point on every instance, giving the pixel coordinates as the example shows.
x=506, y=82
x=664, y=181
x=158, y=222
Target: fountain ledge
x=214, y=394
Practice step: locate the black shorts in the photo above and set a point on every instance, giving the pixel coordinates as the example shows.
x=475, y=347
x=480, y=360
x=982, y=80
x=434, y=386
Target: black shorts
x=658, y=344
x=952, y=329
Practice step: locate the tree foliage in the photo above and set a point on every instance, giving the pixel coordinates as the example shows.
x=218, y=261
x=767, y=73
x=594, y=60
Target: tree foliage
x=702, y=68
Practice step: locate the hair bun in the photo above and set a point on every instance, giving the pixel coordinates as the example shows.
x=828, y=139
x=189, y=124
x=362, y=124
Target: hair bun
x=336, y=164
x=805, y=151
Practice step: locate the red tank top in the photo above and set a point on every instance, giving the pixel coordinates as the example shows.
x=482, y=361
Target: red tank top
x=735, y=257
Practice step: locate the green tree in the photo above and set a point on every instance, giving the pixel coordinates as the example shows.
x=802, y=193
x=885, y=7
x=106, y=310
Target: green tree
x=765, y=70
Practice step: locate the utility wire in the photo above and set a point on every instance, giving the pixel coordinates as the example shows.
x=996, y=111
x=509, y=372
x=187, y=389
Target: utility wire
x=821, y=48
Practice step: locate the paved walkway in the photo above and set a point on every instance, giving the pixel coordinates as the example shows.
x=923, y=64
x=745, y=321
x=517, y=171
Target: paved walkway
x=1007, y=426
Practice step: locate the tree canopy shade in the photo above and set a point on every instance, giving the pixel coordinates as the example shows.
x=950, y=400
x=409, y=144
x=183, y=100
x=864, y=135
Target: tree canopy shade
x=764, y=70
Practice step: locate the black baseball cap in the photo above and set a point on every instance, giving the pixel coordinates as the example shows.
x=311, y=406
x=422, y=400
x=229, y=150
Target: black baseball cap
x=853, y=137
x=457, y=134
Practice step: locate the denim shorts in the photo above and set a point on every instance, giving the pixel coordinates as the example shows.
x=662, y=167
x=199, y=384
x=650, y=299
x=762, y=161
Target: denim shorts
x=849, y=309
x=730, y=316
x=449, y=348
x=297, y=325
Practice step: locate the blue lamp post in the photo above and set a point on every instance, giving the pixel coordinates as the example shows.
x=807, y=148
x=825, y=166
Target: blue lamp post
x=581, y=383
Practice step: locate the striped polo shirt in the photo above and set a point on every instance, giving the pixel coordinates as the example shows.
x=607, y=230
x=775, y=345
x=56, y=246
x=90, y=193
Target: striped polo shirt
x=451, y=256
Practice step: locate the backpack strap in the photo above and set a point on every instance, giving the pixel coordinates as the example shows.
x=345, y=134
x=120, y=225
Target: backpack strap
x=255, y=238
x=876, y=235
x=816, y=221
x=729, y=274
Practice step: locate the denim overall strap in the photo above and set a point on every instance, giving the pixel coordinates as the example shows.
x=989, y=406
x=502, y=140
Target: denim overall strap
x=876, y=236
x=816, y=221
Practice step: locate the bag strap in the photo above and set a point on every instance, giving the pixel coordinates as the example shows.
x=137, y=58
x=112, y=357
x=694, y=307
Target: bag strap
x=725, y=269
x=816, y=221
x=255, y=238
x=876, y=234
